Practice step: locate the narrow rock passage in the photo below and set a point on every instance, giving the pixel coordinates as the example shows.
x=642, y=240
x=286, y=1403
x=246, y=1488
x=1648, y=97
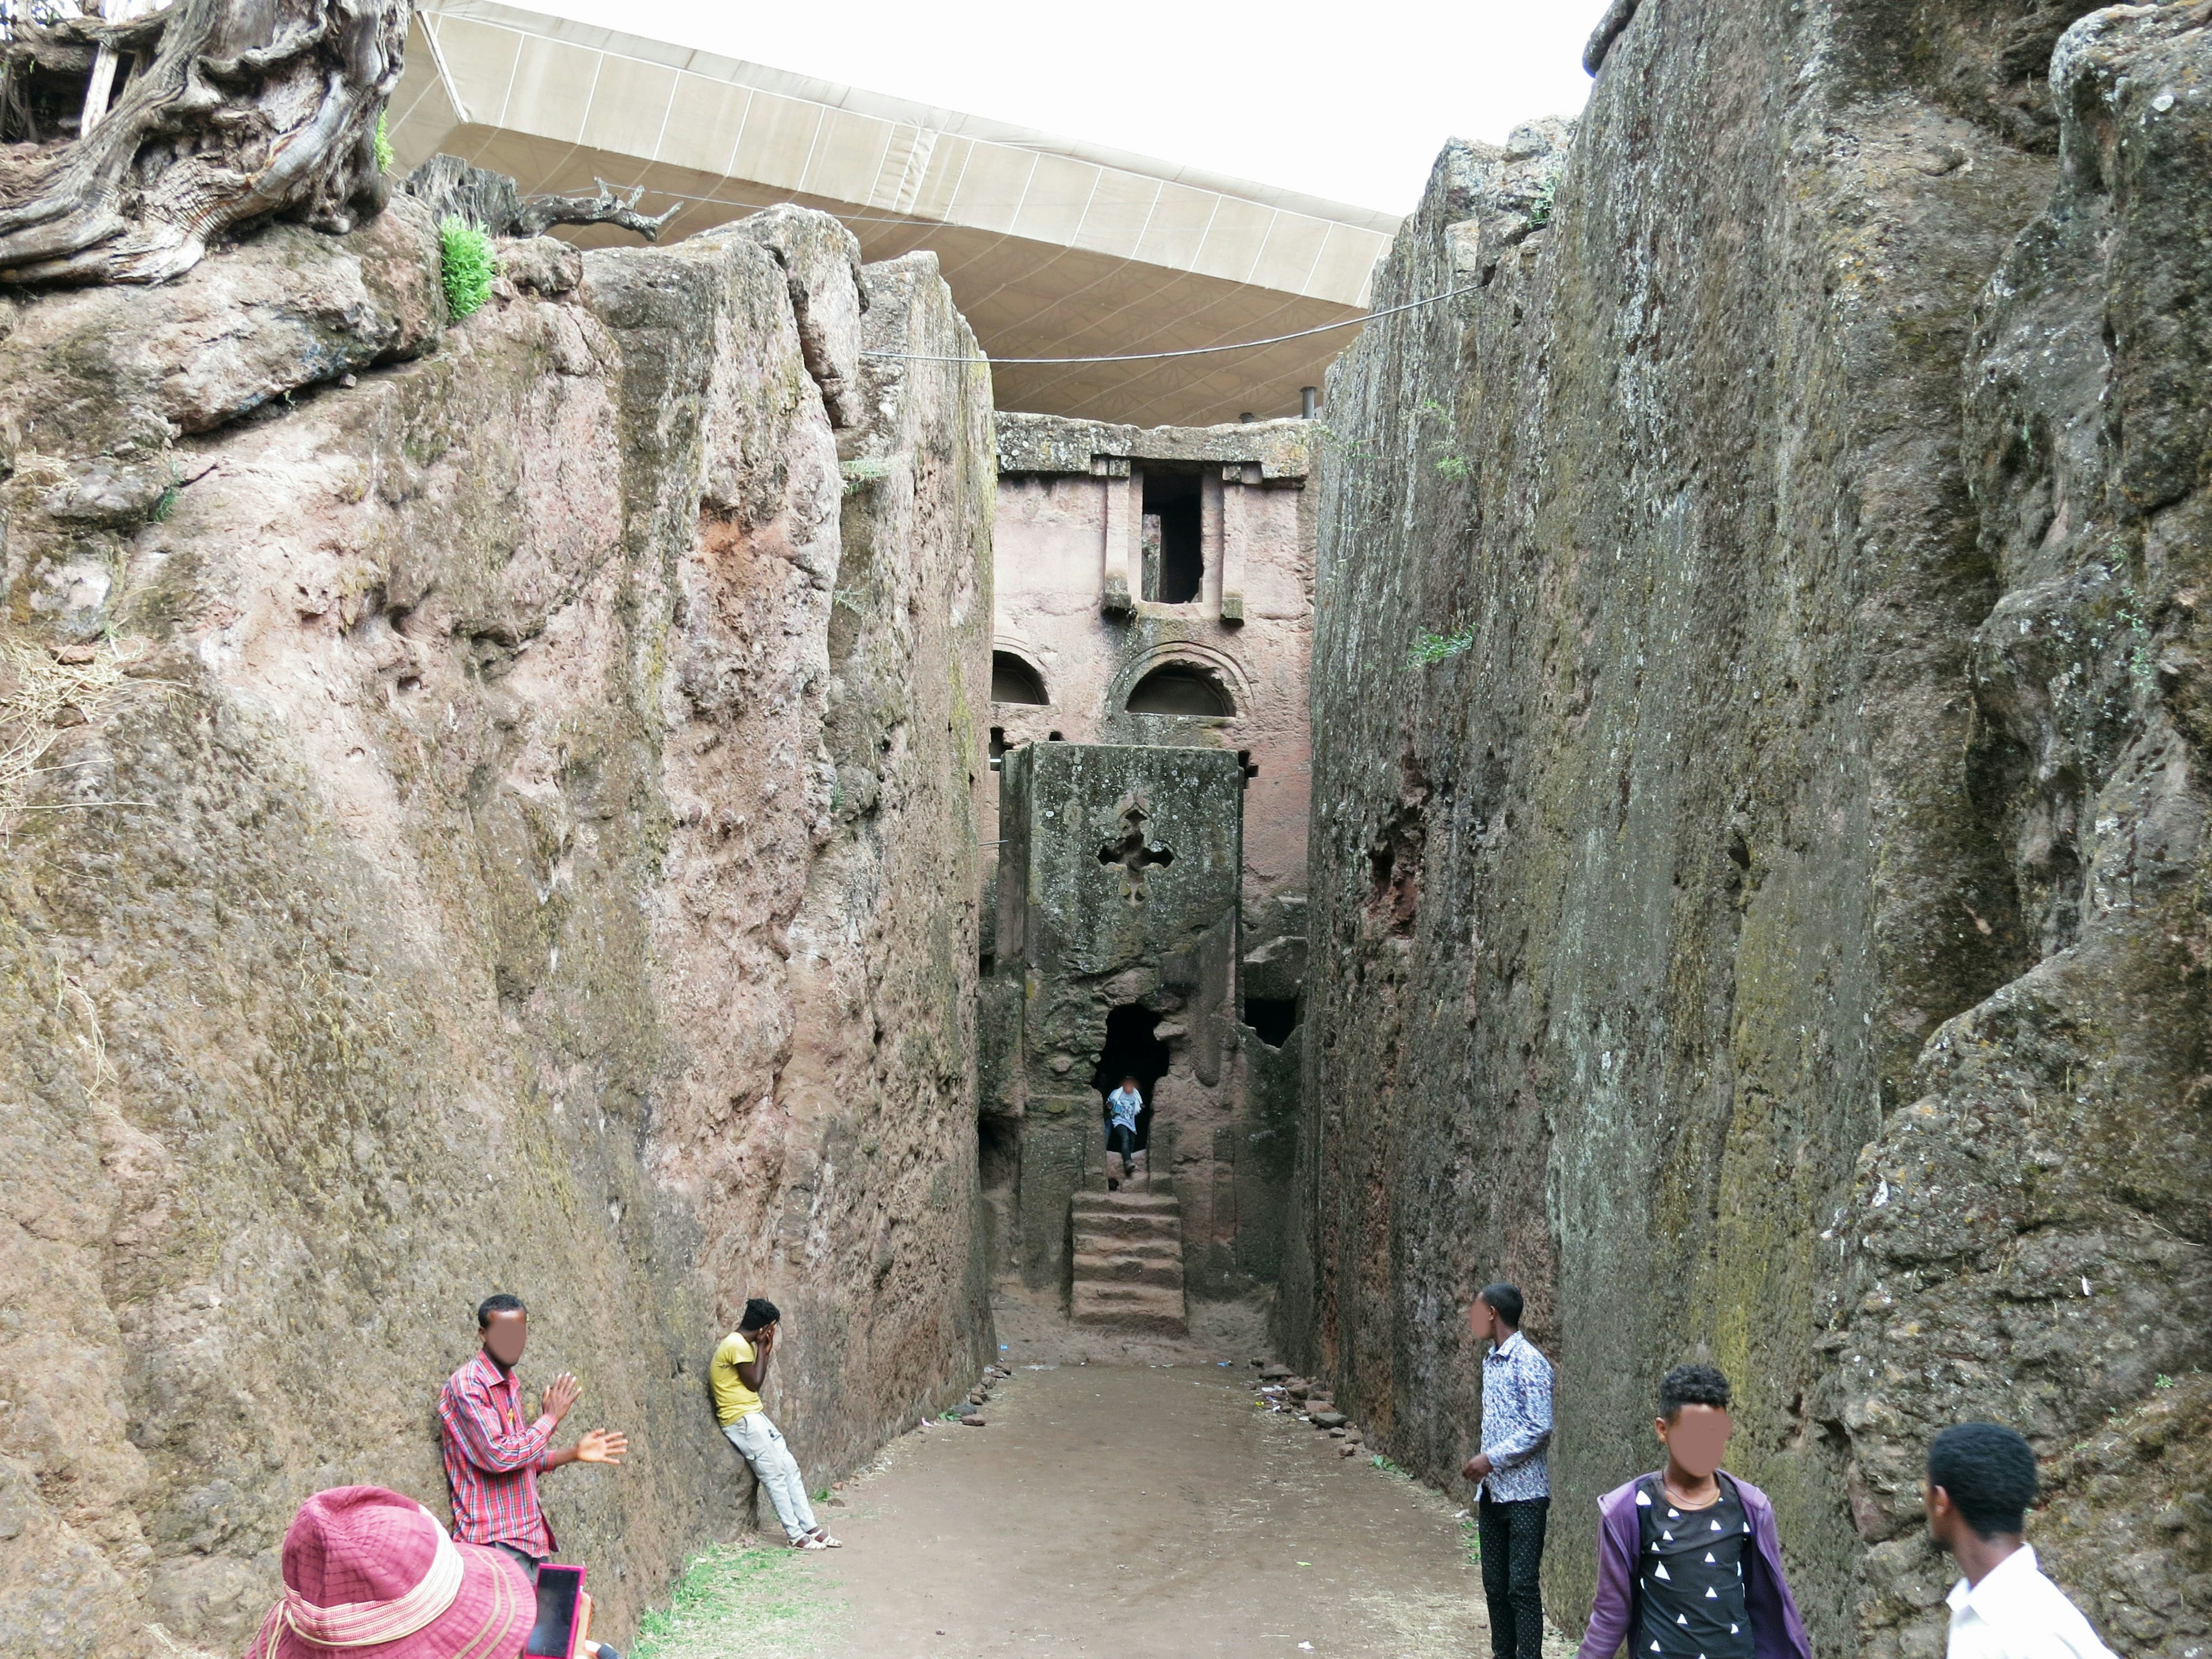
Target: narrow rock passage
x=1143, y=1510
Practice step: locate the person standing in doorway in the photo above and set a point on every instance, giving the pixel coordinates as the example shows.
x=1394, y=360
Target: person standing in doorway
x=1123, y=1107
x=1513, y=1490
x=1689, y=1563
x=1981, y=1480
x=492, y=1455
x=738, y=1369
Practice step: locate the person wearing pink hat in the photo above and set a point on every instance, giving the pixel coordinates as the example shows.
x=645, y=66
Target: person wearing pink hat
x=370, y=1574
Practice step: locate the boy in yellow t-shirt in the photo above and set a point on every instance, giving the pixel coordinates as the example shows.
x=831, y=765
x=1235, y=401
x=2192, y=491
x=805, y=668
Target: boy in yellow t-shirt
x=738, y=1368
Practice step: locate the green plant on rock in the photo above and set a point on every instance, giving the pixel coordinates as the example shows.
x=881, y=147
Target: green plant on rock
x=1429, y=649
x=858, y=475
x=165, y=505
x=469, y=265
x=1540, y=204
x=384, y=158
x=1453, y=467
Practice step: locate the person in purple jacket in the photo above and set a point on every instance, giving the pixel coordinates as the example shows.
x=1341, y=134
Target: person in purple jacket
x=1688, y=1563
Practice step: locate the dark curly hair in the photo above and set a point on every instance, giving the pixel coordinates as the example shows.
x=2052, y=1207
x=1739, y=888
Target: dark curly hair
x=1691, y=1385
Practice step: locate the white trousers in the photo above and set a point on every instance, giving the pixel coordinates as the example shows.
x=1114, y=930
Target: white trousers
x=763, y=1446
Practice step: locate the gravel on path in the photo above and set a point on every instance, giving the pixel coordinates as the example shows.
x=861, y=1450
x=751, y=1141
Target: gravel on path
x=1134, y=1511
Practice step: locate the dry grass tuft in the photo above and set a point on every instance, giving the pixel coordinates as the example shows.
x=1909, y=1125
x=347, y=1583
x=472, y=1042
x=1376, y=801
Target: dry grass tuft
x=170, y=1648
x=37, y=684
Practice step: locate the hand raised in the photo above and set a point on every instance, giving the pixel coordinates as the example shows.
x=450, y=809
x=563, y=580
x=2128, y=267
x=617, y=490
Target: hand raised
x=599, y=1446
x=561, y=1394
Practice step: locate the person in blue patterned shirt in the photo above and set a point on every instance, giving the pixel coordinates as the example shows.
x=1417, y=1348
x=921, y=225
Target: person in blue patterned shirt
x=1513, y=1487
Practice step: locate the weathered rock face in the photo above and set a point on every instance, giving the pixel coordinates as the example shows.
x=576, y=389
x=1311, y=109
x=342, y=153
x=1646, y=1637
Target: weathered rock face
x=1759, y=800
x=499, y=816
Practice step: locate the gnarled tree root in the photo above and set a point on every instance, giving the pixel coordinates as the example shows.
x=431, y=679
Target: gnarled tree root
x=250, y=109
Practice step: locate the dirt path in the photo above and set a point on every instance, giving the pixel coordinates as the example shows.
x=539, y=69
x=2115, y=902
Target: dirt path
x=1130, y=1511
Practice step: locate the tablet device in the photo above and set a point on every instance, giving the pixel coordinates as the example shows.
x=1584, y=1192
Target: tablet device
x=559, y=1629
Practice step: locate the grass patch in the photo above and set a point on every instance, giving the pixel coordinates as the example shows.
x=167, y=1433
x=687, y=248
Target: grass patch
x=468, y=265
x=1429, y=649
x=738, y=1598
x=860, y=474
x=1379, y=1462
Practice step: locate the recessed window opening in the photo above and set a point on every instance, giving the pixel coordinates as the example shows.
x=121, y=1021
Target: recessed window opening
x=1181, y=688
x=998, y=1150
x=1014, y=680
x=1273, y=1017
x=1131, y=1050
x=1175, y=553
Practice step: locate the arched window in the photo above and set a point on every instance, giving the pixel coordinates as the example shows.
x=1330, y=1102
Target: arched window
x=1014, y=680
x=1181, y=688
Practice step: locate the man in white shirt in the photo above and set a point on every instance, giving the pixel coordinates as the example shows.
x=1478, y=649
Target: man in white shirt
x=1981, y=1480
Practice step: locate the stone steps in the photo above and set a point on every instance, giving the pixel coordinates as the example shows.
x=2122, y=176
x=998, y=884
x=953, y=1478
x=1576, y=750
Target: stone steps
x=1127, y=1263
x=1164, y=1270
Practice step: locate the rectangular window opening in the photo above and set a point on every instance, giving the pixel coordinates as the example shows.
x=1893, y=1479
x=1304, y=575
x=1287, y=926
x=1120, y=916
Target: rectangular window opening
x=1175, y=548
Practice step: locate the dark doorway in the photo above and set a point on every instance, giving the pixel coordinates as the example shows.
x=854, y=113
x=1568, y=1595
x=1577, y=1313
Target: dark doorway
x=1179, y=573
x=1131, y=1050
x=1273, y=1017
x=1014, y=680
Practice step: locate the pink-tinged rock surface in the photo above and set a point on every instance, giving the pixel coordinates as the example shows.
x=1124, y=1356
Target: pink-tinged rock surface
x=512, y=829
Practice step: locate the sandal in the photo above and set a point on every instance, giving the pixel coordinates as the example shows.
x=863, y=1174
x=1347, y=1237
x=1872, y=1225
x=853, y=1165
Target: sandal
x=812, y=1541
x=820, y=1539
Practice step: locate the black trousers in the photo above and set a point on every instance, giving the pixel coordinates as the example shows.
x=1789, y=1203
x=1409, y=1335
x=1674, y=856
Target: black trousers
x=1512, y=1550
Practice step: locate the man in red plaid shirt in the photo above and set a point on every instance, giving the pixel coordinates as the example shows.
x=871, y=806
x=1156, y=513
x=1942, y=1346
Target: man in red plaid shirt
x=493, y=1455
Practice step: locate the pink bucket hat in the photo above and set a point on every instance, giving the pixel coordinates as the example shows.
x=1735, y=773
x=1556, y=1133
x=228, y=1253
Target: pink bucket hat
x=369, y=1574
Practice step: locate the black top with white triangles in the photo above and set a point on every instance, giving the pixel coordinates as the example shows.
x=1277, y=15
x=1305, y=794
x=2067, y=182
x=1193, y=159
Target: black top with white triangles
x=1690, y=1575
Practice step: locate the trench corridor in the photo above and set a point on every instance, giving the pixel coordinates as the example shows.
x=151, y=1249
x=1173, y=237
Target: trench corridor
x=1130, y=1510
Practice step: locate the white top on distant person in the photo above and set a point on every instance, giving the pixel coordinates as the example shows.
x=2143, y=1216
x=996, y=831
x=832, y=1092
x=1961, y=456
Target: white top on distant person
x=1123, y=1105
x=1981, y=1480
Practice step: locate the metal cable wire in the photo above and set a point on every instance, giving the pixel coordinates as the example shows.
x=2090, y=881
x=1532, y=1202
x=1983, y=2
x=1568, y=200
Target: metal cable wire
x=1188, y=351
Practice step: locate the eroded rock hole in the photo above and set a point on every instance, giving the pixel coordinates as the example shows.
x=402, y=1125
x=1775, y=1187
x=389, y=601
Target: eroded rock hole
x=1271, y=1019
x=1131, y=1050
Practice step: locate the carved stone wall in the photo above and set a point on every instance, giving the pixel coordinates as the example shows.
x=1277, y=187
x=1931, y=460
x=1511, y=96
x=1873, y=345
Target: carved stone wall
x=1758, y=844
x=500, y=815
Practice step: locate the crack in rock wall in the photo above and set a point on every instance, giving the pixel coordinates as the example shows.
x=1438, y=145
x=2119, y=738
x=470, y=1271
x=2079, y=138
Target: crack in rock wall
x=1758, y=854
x=489, y=805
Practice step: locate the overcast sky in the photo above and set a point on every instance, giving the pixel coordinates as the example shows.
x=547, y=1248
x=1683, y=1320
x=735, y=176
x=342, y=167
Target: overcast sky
x=1349, y=103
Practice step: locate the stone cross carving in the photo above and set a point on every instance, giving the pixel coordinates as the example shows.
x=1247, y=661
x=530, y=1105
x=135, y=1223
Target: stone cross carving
x=1135, y=852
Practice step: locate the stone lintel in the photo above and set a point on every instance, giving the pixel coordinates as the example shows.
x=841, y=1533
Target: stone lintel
x=1254, y=451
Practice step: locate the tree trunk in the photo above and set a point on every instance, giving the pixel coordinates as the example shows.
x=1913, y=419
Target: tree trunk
x=249, y=109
